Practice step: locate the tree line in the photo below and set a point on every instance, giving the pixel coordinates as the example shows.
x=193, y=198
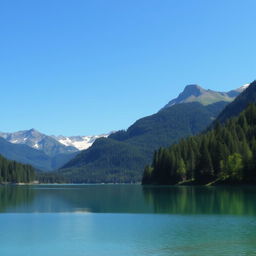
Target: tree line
x=13, y=172
x=225, y=154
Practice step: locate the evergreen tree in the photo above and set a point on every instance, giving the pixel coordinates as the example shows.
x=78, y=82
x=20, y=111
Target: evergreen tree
x=228, y=152
x=13, y=172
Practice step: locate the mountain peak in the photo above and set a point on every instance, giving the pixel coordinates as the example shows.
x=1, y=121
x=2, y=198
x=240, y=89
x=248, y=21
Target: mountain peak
x=193, y=86
x=192, y=89
x=31, y=134
x=33, y=131
x=195, y=93
x=189, y=94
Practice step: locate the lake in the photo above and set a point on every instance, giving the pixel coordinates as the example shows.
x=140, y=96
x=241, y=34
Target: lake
x=120, y=220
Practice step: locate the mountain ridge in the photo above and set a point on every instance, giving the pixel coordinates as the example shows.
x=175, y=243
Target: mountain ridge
x=195, y=93
x=62, y=144
x=37, y=140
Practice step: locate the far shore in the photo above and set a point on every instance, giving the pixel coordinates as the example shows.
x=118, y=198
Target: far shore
x=20, y=183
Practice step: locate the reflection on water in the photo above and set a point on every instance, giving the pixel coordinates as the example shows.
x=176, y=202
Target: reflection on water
x=13, y=196
x=128, y=199
x=192, y=223
x=202, y=200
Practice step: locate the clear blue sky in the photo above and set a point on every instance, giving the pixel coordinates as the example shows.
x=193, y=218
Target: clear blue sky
x=89, y=67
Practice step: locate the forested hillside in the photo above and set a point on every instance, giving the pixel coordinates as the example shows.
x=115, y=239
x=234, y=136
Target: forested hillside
x=122, y=156
x=239, y=104
x=225, y=154
x=13, y=172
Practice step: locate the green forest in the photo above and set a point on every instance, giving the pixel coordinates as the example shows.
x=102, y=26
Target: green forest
x=121, y=157
x=13, y=172
x=225, y=154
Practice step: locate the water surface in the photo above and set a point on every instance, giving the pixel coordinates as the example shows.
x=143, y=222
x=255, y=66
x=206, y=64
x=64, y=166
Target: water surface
x=127, y=220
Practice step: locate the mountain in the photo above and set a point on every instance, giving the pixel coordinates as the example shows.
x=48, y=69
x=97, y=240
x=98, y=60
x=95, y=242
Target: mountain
x=51, y=145
x=39, y=141
x=37, y=158
x=43, y=152
x=122, y=156
x=195, y=93
x=224, y=154
x=78, y=142
x=239, y=104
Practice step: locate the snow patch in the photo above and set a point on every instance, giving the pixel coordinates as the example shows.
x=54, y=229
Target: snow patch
x=79, y=142
x=244, y=86
x=36, y=146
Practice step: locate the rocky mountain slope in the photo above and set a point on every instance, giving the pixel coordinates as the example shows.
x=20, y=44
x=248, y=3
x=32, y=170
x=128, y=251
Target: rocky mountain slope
x=195, y=93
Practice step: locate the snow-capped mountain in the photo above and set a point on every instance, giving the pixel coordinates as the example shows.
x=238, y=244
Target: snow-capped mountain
x=39, y=141
x=51, y=145
x=44, y=152
x=79, y=142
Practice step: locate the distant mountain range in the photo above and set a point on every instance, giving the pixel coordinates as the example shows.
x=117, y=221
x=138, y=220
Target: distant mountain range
x=52, y=144
x=39, y=141
x=37, y=158
x=122, y=156
x=42, y=151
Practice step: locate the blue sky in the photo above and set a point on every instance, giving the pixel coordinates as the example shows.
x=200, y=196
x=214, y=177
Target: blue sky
x=89, y=67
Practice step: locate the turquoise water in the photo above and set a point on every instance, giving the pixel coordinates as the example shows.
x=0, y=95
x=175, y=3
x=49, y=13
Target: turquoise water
x=74, y=220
